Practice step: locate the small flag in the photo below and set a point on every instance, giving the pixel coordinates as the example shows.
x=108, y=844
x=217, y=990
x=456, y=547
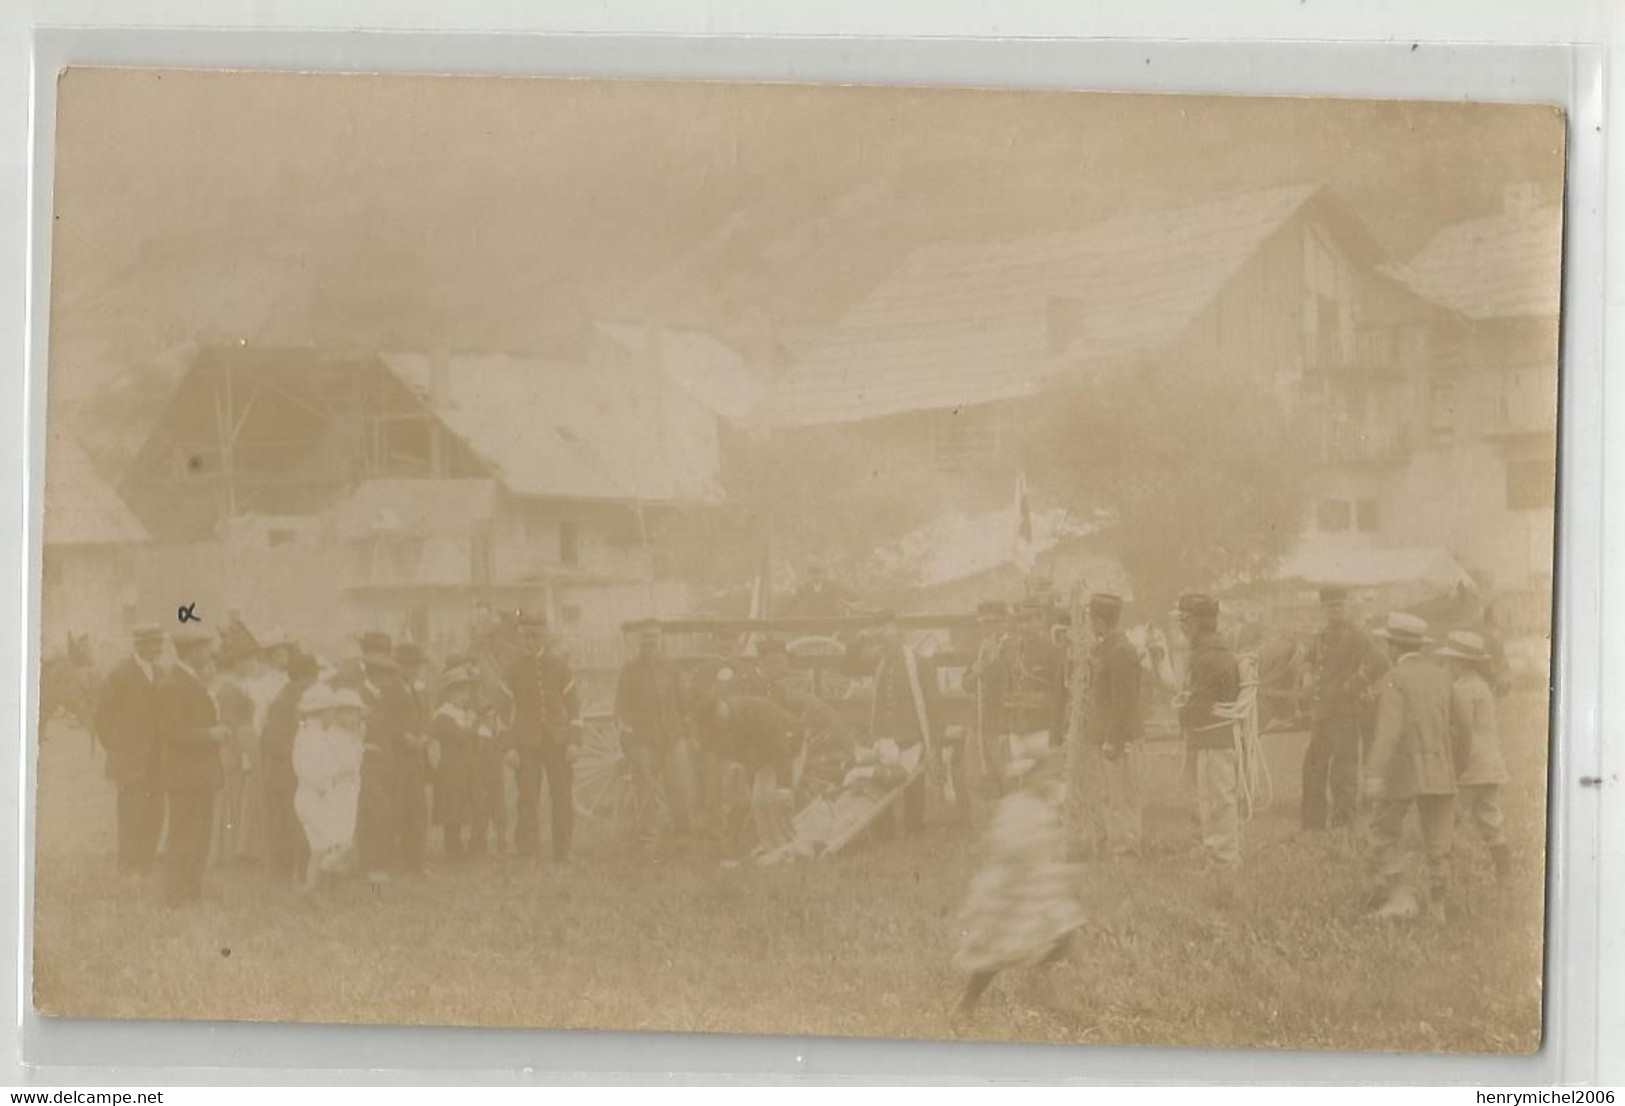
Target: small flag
x=1024, y=526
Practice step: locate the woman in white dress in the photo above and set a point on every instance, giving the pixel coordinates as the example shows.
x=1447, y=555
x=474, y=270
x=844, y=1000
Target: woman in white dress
x=327, y=760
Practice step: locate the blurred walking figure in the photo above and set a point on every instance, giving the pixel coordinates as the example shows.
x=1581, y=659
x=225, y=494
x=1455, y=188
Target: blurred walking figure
x=1022, y=906
x=328, y=755
x=1112, y=800
x=287, y=851
x=238, y=828
x=1410, y=765
x=1475, y=740
x=126, y=724
x=1347, y=665
x=455, y=731
x=192, y=737
x=1212, y=679
x=546, y=723
x=651, y=715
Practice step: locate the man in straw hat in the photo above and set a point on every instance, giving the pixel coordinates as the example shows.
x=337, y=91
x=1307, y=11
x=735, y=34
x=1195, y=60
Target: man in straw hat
x=1113, y=732
x=546, y=723
x=1410, y=765
x=1347, y=665
x=1476, y=741
x=192, y=737
x=1213, y=677
x=126, y=724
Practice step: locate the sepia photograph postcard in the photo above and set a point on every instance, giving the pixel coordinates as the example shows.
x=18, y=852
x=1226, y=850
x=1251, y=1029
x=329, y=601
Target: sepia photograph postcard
x=861, y=561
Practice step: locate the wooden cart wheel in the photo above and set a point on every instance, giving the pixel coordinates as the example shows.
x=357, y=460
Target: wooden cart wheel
x=605, y=789
x=602, y=788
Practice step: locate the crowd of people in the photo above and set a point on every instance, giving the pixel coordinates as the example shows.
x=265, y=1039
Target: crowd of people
x=318, y=770
x=1399, y=720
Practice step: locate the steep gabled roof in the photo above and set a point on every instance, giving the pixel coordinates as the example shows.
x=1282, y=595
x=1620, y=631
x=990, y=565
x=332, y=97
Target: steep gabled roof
x=80, y=508
x=697, y=363
x=571, y=431
x=1500, y=266
x=964, y=323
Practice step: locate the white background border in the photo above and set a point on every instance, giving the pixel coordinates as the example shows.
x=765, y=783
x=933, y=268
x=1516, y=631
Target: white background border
x=1276, y=47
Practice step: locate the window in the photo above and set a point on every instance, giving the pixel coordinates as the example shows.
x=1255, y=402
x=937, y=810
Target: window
x=570, y=614
x=1531, y=483
x=280, y=535
x=1365, y=516
x=964, y=438
x=569, y=544
x=1332, y=516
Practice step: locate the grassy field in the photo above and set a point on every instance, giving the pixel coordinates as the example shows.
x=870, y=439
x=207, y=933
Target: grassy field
x=855, y=946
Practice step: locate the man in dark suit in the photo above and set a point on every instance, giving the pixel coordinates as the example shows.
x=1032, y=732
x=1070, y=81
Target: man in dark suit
x=126, y=724
x=546, y=722
x=1348, y=665
x=191, y=735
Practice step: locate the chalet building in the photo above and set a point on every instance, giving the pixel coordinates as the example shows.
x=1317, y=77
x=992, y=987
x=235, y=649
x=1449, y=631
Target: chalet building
x=1412, y=376
x=1491, y=407
x=403, y=489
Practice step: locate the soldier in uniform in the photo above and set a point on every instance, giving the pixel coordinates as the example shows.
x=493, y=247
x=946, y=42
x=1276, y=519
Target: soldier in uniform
x=651, y=714
x=1347, y=665
x=1113, y=731
x=905, y=710
x=1410, y=764
x=126, y=724
x=1213, y=677
x=1036, y=700
x=192, y=737
x=412, y=768
x=988, y=679
x=546, y=722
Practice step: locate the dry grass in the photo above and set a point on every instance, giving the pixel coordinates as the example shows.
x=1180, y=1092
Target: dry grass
x=857, y=946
